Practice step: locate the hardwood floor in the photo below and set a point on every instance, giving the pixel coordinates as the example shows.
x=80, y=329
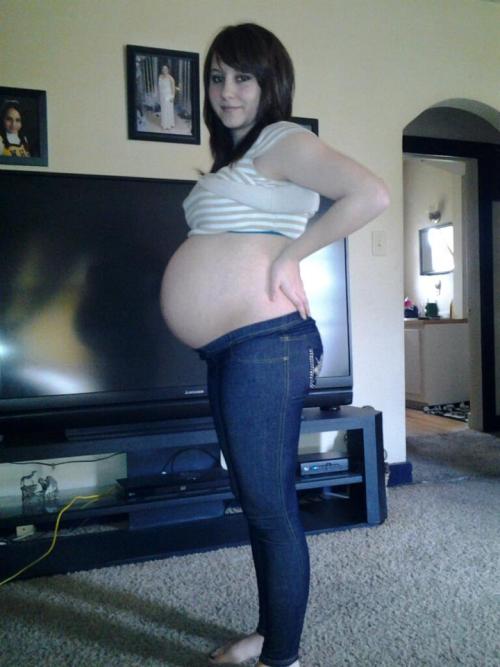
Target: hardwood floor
x=419, y=423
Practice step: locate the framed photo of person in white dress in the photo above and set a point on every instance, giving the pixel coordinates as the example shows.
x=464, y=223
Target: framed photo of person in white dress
x=163, y=95
x=23, y=127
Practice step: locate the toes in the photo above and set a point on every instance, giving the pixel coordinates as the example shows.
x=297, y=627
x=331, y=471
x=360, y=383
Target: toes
x=214, y=657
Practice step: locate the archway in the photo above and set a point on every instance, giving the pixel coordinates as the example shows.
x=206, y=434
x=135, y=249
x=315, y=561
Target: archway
x=474, y=107
x=461, y=134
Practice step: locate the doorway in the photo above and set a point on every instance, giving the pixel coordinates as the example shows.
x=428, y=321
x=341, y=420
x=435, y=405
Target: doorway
x=446, y=135
x=440, y=204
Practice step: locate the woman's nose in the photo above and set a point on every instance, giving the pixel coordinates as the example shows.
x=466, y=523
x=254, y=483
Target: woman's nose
x=228, y=88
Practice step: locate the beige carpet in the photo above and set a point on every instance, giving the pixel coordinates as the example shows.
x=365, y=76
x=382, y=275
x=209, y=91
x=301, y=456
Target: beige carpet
x=452, y=456
x=422, y=590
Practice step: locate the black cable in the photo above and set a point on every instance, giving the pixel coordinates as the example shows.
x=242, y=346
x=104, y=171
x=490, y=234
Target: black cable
x=64, y=463
x=170, y=461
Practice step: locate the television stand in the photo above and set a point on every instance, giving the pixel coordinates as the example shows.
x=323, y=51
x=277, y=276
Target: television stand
x=207, y=520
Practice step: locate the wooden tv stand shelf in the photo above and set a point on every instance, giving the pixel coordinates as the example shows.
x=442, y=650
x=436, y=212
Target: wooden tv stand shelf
x=203, y=521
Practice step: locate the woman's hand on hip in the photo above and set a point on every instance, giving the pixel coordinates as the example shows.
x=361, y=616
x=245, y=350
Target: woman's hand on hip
x=285, y=277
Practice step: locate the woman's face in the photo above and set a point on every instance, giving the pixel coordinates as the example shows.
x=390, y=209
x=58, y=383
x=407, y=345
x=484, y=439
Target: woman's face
x=164, y=69
x=234, y=97
x=12, y=120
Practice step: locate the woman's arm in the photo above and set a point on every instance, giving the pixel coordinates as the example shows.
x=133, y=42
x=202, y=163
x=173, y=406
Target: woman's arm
x=359, y=196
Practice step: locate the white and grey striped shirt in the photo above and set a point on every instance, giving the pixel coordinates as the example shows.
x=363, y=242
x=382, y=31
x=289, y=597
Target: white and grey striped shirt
x=239, y=199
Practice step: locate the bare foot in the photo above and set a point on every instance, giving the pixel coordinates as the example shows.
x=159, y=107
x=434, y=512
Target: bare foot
x=238, y=651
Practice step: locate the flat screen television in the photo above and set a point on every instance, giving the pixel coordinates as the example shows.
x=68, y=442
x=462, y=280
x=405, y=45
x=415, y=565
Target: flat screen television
x=82, y=341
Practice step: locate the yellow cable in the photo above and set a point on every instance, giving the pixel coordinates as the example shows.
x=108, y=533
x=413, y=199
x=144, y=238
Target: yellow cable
x=54, y=538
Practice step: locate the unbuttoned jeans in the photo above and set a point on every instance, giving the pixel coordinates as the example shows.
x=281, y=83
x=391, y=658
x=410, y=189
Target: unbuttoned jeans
x=258, y=377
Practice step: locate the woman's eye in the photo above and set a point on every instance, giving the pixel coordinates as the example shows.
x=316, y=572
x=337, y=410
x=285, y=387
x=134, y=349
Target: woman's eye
x=243, y=77
x=216, y=78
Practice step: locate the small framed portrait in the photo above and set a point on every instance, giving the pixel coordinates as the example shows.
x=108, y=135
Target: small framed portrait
x=23, y=127
x=163, y=95
x=309, y=123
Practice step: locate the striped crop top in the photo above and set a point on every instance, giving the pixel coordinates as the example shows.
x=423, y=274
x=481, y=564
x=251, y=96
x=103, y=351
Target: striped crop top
x=239, y=199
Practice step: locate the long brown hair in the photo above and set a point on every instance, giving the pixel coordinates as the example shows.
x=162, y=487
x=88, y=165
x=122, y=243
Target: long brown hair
x=254, y=50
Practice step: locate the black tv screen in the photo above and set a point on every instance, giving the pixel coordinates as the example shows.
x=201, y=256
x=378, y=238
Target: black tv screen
x=82, y=339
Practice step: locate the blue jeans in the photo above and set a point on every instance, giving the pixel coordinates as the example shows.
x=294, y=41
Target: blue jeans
x=258, y=377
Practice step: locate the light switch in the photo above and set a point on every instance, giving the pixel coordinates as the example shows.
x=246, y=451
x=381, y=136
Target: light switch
x=379, y=243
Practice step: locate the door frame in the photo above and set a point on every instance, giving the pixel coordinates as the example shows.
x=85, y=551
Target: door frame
x=488, y=163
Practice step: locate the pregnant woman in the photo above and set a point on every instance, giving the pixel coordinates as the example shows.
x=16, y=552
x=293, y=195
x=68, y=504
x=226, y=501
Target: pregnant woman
x=233, y=291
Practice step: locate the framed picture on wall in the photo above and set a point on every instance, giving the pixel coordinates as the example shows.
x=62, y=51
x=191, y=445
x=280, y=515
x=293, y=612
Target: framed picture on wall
x=309, y=123
x=163, y=95
x=23, y=127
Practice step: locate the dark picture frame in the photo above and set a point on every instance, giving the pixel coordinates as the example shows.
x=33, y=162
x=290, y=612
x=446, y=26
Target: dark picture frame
x=308, y=123
x=163, y=104
x=23, y=127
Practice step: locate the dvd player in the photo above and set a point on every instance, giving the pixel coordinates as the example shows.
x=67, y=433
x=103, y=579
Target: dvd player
x=190, y=482
x=317, y=463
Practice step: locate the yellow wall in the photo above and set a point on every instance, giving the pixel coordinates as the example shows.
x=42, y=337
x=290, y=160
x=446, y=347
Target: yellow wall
x=364, y=69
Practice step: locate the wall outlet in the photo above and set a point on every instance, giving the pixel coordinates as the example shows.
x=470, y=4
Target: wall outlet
x=25, y=531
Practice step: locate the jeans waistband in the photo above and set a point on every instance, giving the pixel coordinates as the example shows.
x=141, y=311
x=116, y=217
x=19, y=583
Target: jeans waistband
x=276, y=324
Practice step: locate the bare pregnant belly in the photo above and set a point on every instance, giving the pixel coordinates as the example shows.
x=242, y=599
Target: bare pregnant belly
x=214, y=284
